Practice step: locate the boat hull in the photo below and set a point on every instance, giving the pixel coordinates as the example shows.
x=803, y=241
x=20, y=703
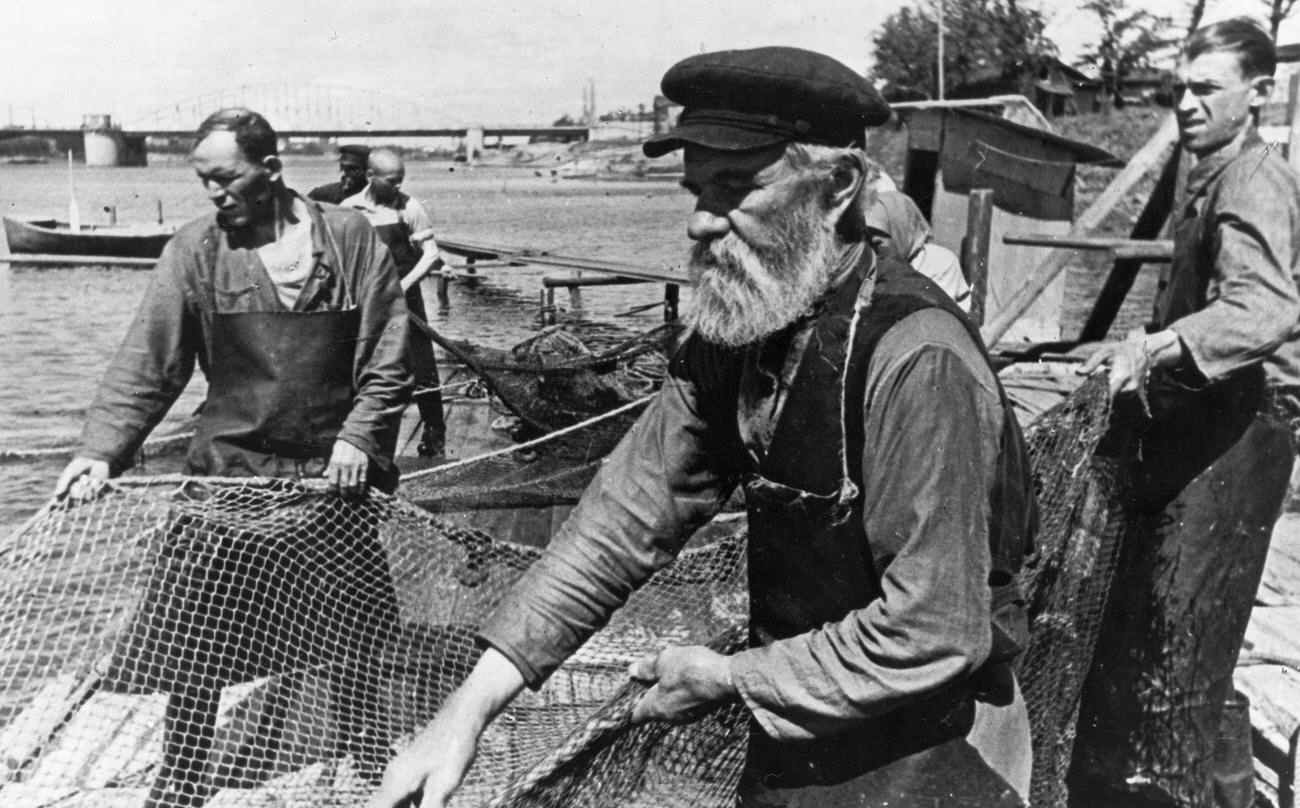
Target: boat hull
x=48, y=237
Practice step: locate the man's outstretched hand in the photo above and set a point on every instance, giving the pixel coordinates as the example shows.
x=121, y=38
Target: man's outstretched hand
x=429, y=771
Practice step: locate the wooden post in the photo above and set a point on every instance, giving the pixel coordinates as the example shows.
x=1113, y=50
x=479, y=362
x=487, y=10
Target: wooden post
x=1293, y=120
x=575, y=296
x=975, y=249
x=1146, y=158
x=671, y=293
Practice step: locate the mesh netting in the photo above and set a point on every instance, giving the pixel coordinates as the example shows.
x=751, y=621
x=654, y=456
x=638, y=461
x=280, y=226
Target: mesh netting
x=1081, y=498
x=303, y=639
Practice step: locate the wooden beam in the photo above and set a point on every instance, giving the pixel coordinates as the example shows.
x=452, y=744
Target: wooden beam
x=975, y=249
x=1155, y=249
x=1293, y=121
x=524, y=255
x=1147, y=157
x=44, y=259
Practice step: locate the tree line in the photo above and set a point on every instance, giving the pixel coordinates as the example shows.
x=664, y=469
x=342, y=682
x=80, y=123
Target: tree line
x=1001, y=43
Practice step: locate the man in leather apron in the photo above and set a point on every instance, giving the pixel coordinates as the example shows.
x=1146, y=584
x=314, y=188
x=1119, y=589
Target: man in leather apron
x=885, y=479
x=399, y=220
x=1218, y=377
x=294, y=312
x=352, y=175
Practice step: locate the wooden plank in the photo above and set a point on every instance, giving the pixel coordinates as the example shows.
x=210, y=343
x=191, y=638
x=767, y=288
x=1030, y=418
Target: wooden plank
x=44, y=259
x=1293, y=122
x=1274, y=692
x=975, y=249
x=29, y=733
x=552, y=281
x=96, y=745
x=1274, y=631
x=1280, y=585
x=524, y=255
x=1155, y=248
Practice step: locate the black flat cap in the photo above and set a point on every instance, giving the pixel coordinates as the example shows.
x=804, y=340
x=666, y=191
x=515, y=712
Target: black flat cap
x=356, y=150
x=745, y=99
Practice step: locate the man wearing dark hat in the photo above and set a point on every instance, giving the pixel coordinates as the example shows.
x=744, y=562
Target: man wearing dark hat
x=885, y=480
x=352, y=175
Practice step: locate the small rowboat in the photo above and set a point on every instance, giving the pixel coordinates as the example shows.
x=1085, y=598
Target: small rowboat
x=51, y=237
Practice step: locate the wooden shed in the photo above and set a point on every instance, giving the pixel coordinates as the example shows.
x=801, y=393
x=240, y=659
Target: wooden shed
x=956, y=147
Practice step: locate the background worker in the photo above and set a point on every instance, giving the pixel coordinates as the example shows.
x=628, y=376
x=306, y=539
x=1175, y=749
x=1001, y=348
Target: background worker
x=352, y=175
x=262, y=293
x=896, y=223
x=1220, y=374
x=883, y=610
x=400, y=220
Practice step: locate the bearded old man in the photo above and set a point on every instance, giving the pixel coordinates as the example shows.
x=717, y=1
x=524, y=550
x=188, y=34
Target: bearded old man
x=885, y=481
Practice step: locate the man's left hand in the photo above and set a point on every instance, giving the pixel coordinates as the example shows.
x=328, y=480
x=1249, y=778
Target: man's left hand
x=346, y=472
x=687, y=680
x=1131, y=361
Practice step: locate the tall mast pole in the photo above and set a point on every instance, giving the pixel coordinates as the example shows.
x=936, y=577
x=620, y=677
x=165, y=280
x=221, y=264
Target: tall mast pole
x=941, y=26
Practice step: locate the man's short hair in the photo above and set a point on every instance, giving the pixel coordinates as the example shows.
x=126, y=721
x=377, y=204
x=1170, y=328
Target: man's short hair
x=253, y=134
x=1243, y=36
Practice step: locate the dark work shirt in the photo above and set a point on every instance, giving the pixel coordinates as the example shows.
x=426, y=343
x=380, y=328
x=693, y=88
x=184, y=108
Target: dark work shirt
x=932, y=417
x=1234, y=286
x=334, y=193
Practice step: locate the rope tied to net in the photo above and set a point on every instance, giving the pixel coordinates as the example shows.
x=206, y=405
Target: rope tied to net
x=550, y=436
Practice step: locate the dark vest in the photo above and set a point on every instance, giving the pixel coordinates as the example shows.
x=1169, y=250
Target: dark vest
x=809, y=558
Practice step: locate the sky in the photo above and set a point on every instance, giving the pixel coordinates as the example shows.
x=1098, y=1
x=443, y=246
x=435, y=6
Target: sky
x=482, y=61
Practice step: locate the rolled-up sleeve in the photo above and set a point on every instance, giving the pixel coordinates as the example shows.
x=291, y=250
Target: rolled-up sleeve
x=1253, y=304
x=150, y=369
x=661, y=483
x=933, y=421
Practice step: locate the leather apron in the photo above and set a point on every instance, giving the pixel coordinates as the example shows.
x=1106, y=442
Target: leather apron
x=287, y=585
x=809, y=562
x=280, y=386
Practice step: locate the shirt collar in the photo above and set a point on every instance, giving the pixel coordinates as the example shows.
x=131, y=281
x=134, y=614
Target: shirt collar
x=1210, y=167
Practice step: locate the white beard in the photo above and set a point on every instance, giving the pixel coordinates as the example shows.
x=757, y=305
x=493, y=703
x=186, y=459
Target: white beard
x=744, y=293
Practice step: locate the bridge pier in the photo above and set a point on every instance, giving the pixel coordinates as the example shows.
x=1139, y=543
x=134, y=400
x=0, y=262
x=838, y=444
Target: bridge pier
x=473, y=144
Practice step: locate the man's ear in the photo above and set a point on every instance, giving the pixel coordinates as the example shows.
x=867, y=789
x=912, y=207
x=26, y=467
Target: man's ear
x=272, y=164
x=853, y=192
x=1261, y=88
x=847, y=177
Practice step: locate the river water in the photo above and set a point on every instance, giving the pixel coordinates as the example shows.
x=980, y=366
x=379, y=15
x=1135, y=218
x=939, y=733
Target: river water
x=60, y=327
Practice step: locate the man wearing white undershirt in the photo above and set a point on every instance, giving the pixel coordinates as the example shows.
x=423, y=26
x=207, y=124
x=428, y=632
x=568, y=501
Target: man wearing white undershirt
x=295, y=313
x=404, y=227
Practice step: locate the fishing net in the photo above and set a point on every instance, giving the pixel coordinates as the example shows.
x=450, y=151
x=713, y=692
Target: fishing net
x=310, y=635
x=1081, y=487
x=303, y=639
x=566, y=405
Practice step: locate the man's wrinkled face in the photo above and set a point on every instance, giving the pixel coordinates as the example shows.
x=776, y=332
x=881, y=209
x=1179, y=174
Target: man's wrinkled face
x=242, y=190
x=1215, y=100
x=385, y=183
x=352, y=173
x=764, y=242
